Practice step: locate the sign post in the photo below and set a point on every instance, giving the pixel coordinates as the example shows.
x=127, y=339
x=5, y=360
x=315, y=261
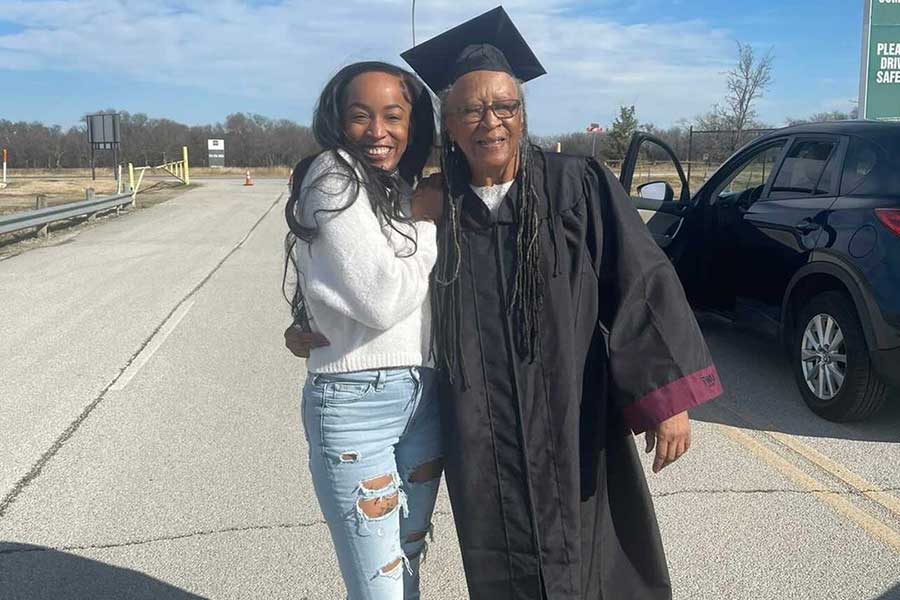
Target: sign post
x=103, y=134
x=594, y=129
x=216, y=153
x=879, y=89
x=4, y=165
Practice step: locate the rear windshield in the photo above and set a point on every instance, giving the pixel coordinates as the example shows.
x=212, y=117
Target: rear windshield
x=870, y=170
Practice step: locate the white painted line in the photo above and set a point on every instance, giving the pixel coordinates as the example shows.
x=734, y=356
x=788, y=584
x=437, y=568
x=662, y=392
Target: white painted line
x=150, y=349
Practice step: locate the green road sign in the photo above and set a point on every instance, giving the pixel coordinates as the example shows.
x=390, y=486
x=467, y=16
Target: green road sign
x=880, y=77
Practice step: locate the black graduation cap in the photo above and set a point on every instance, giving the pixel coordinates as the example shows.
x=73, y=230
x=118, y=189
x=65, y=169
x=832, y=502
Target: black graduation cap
x=489, y=42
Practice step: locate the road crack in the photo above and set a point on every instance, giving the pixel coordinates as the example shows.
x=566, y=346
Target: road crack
x=178, y=537
x=182, y=536
x=170, y=538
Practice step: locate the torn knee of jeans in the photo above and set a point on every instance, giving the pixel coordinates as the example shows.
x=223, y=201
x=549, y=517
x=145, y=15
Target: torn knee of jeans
x=378, y=484
x=377, y=508
x=427, y=472
x=379, y=497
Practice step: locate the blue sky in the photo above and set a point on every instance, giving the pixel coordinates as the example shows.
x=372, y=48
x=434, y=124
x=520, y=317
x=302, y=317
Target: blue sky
x=197, y=61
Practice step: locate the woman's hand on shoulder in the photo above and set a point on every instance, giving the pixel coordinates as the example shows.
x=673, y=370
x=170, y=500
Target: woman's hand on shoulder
x=428, y=199
x=300, y=342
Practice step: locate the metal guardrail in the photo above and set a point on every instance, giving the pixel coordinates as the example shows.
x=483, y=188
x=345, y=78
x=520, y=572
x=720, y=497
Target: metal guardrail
x=44, y=216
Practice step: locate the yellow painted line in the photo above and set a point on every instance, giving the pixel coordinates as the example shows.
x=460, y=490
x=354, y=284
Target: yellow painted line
x=872, y=526
x=867, y=489
x=886, y=499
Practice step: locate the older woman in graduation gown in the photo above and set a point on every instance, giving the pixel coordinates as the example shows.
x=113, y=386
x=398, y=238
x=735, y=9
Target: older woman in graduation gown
x=562, y=329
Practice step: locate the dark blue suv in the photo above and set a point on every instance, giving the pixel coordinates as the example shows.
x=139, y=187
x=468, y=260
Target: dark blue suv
x=800, y=230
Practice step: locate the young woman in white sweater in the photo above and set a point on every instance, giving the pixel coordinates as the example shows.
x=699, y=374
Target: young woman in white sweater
x=363, y=253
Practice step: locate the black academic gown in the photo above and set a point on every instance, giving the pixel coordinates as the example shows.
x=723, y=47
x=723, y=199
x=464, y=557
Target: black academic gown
x=548, y=493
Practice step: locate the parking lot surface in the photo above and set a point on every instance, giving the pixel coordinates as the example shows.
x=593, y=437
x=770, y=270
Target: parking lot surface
x=151, y=443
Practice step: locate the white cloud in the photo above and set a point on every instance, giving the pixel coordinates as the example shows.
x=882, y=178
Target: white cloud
x=287, y=49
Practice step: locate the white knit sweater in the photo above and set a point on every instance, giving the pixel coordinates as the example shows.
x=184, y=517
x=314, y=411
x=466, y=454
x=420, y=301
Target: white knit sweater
x=366, y=291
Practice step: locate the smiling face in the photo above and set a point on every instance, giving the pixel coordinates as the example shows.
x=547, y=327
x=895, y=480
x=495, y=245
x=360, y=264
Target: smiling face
x=376, y=118
x=491, y=143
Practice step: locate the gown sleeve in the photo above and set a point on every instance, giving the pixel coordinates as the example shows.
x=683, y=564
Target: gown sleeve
x=660, y=365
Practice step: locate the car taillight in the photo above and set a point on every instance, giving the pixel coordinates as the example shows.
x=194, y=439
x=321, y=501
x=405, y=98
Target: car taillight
x=890, y=217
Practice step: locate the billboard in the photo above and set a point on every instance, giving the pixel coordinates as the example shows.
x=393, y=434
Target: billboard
x=879, y=94
x=216, y=153
x=103, y=130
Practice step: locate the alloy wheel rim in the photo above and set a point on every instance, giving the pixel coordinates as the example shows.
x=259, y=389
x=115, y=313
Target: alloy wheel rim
x=823, y=355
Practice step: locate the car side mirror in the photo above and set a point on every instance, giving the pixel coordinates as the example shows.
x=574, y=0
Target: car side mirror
x=656, y=190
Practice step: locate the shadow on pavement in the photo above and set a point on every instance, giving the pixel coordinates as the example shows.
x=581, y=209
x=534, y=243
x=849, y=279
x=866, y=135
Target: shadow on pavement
x=37, y=573
x=761, y=393
x=891, y=594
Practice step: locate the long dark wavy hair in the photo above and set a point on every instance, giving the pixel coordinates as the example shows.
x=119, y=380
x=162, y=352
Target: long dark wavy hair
x=384, y=189
x=526, y=295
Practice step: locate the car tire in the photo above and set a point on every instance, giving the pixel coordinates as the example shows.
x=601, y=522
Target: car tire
x=817, y=365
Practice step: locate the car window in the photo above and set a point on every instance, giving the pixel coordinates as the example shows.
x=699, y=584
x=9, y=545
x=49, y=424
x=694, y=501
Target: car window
x=746, y=184
x=862, y=160
x=805, y=170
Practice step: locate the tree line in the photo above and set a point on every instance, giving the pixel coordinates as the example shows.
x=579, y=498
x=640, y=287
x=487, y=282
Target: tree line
x=250, y=141
x=256, y=141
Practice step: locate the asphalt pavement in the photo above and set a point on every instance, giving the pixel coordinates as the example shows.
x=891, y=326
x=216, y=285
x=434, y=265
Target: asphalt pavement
x=150, y=443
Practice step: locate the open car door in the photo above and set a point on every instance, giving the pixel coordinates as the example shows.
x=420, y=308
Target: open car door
x=655, y=199
x=667, y=212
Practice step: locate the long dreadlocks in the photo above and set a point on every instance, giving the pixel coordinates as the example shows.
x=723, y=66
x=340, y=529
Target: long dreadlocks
x=525, y=300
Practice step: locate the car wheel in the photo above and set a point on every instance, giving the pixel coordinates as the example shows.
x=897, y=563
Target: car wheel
x=831, y=360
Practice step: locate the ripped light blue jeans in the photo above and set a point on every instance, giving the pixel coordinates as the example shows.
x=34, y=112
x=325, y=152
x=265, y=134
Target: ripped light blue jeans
x=375, y=456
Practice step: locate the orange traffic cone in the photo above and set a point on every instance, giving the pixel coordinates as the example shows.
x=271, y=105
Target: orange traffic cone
x=247, y=180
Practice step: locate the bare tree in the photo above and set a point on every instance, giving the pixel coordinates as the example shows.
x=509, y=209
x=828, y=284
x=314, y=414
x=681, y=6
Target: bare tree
x=823, y=117
x=747, y=82
x=577, y=142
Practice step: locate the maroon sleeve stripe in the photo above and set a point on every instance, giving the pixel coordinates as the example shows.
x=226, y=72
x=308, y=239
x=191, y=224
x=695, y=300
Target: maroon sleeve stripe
x=672, y=399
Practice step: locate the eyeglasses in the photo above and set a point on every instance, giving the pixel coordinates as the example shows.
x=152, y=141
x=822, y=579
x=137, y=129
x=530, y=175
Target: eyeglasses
x=503, y=110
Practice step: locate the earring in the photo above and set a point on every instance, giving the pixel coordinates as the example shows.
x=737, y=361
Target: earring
x=452, y=147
